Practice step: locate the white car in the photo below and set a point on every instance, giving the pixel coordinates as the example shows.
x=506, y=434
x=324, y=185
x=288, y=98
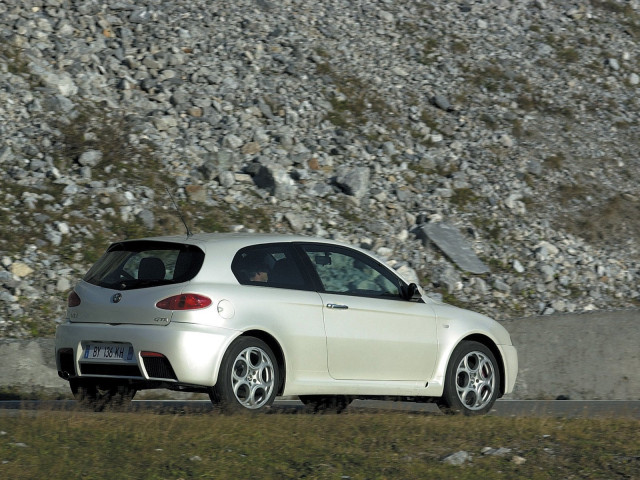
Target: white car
x=247, y=318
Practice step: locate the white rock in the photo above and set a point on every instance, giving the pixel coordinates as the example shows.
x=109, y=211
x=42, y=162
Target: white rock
x=20, y=269
x=458, y=458
x=63, y=284
x=63, y=228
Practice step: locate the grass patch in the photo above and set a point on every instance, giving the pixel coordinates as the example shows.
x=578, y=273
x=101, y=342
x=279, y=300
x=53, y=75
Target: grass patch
x=616, y=7
x=571, y=193
x=610, y=223
x=626, y=13
x=568, y=55
x=356, y=446
x=43, y=324
x=16, y=63
x=527, y=101
x=492, y=229
x=463, y=197
x=429, y=50
x=554, y=162
x=494, y=78
x=96, y=128
x=356, y=101
x=131, y=163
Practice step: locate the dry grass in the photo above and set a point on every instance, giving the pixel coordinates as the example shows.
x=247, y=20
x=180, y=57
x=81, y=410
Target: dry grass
x=65, y=445
x=614, y=222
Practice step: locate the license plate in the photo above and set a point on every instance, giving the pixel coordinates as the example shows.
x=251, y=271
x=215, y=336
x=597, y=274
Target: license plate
x=110, y=352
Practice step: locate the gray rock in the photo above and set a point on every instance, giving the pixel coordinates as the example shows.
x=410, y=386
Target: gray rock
x=147, y=217
x=450, y=279
x=61, y=83
x=60, y=103
x=275, y=179
x=232, y=141
x=458, y=458
x=613, y=64
x=296, y=221
x=90, y=158
x=5, y=154
x=227, y=179
x=140, y=15
x=497, y=452
x=449, y=239
x=63, y=284
x=548, y=272
x=441, y=102
x=353, y=181
x=479, y=286
x=6, y=278
x=501, y=286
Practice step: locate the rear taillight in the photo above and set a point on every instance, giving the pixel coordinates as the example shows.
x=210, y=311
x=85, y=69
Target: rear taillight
x=186, y=301
x=73, y=300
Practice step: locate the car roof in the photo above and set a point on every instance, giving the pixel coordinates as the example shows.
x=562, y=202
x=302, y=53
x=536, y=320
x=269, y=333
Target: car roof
x=237, y=240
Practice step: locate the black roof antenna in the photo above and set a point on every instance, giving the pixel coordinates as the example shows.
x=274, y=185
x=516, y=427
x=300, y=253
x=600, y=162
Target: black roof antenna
x=179, y=213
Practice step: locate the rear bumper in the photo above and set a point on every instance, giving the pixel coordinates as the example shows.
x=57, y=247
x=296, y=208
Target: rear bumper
x=193, y=353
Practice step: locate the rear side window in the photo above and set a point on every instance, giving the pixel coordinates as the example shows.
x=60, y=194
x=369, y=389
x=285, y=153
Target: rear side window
x=141, y=264
x=270, y=265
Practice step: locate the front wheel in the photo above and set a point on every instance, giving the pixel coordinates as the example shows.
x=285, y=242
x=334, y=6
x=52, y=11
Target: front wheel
x=472, y=382
x=248, y=378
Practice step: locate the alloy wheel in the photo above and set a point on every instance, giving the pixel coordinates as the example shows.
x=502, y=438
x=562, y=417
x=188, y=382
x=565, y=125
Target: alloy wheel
x=252, y=377
x=475, y=380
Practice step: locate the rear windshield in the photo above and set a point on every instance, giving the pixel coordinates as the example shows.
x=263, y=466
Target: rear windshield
x=141, y=264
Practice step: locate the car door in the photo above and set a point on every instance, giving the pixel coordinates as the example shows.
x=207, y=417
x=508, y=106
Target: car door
x=373, y=333
x=281, y=298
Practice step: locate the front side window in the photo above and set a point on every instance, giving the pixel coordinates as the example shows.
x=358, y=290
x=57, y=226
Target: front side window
x=269, y=265
x=341, y=270
x=140, y=264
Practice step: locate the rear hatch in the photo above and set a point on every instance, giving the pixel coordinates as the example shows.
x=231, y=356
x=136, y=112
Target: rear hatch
x=125, y=284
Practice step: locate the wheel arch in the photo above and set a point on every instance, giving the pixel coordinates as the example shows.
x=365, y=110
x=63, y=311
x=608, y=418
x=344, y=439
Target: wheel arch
x=275, y=347
x=491, y=345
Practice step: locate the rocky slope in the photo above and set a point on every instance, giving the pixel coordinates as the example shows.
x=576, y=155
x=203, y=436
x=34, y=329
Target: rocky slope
x=516, y=122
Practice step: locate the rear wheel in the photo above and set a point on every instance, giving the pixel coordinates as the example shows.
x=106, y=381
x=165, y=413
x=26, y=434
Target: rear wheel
x=472, y=383
x=248, y=378
x=98, y=396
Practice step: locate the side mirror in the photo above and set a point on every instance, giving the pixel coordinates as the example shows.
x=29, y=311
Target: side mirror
x=412, y=293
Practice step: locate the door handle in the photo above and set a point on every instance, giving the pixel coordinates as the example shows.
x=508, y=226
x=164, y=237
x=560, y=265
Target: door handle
x=337, y=306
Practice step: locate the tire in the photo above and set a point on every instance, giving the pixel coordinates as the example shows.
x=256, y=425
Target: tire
x=472, y=382
x=98, y=397
x=324, y=403
x=249, y=377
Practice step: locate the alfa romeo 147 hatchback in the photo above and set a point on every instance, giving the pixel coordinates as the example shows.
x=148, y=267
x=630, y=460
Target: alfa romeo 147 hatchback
x=246, y=318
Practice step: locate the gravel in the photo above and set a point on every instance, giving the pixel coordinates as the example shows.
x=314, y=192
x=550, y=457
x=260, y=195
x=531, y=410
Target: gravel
x=515, y=124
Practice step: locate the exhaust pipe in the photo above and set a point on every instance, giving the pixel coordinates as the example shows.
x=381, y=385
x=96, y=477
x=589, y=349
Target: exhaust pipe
x=64, y=375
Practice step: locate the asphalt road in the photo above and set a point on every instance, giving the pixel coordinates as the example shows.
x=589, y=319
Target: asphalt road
x=502, y=408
